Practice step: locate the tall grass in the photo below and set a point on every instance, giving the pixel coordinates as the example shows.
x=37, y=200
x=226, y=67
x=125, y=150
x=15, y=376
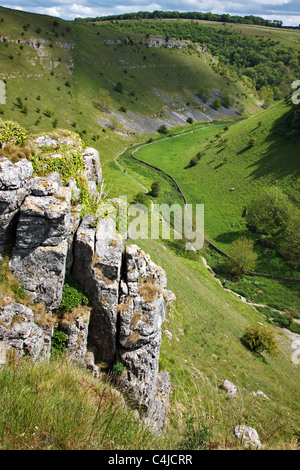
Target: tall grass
x=60, y=406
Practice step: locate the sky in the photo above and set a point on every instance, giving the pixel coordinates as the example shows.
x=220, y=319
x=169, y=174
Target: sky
x=287, y=11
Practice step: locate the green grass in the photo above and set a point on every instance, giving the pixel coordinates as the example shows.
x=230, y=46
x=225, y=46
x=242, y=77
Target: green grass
x=207, y=324
x=229, y=162
x=70, y=63
x=60, y=406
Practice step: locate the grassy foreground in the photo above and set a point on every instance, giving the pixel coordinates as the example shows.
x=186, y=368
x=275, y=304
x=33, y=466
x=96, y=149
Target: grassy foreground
x=206, y=324
x=60, y=406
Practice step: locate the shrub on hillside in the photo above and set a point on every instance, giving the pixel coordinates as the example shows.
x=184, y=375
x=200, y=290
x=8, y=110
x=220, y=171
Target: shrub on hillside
x=12, y=132
x=243, y=257
x=216, y=104
x=226, y=101
x=162, y=129
x=204, y=94
x=155, y=188
x=259, y=338
x=270, y=211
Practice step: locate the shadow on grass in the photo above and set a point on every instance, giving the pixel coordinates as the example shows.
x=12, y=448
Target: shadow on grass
x=229, y=237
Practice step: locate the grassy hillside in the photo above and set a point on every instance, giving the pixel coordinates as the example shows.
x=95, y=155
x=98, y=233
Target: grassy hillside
x=206, y=323
x=260, y=56
x=56, y=71
x=226, y=179
x=230, y=162
x=62, y=74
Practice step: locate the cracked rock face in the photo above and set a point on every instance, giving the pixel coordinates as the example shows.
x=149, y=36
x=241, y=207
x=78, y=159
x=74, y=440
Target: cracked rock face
x=14, y=188
x=14, y=175
x=39, y=258
x=97, y=268
x=76, y=327
x=142, y=310
x=18, y=331
x=92, y=165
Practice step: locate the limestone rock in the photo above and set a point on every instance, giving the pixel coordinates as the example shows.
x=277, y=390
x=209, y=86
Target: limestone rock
x=19, y=331
x=92, y=165
x=76, y=327
x=45, y=141
x=14, y=175
x=40, y=254
x=142, y=311
x=97, y=268
x=248, y=436
x=90, y=364
x=229, y=387
x=158, y=412
x=14, y=188
x=84, y=249
x=106, y=272
x=259, y=393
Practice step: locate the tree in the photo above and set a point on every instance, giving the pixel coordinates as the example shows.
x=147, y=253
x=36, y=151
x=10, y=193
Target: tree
x=289, y=243
x=119, y=87
x=270, y=211
x=243, y=257
x=266, y=94
x=162, y=129
x=216, y=103
x=196, y=158
x=155, y=188
x=204, y=94
x=259, y=338
x=226, y=101
x=193, y=161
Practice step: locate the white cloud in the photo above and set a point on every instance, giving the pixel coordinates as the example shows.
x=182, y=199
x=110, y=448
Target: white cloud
x=286, y=10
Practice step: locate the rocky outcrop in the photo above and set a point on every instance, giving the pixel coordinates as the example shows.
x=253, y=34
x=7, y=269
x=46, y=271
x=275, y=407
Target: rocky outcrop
x=44, y=229
x=76, y=326
x=129, y=304
x=13, y=190
x=229, y=387
x=92, y=167
x=20, y=333
x=142, y=310
x=126, y=290
x=97, y=268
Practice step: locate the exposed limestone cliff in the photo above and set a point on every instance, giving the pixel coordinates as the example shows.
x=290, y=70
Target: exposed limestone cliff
x=126, y=290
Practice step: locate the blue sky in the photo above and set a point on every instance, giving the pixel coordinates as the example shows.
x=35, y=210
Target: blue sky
x=286, y=10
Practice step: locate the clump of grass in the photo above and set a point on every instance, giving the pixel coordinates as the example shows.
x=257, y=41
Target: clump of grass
x=15, y=153
x=149, y=290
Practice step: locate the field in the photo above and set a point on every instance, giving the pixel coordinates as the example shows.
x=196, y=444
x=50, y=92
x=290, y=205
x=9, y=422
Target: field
x=225, y=180
x=101, y=81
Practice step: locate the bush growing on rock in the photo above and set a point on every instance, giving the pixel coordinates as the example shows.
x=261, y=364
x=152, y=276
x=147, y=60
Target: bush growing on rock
x=72, y=296
x=12, y=132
